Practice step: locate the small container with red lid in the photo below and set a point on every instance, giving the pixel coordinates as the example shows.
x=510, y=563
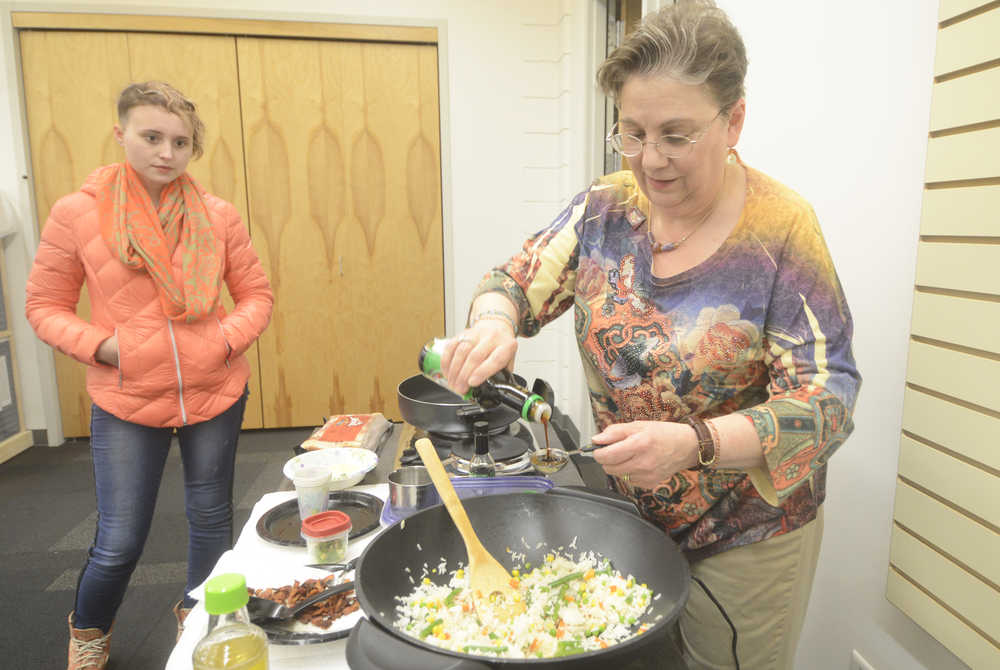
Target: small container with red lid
x=326, y=536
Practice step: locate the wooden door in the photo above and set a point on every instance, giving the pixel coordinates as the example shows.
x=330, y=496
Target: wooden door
x=72, y=80
x=343, y=167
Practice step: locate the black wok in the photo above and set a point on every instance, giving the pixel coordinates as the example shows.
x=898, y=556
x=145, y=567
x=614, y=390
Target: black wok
x=556, y=518
x=433, y=408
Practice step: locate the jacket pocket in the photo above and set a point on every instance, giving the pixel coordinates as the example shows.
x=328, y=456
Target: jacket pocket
x=225, y=342
x=133, y=347
x=121, y=359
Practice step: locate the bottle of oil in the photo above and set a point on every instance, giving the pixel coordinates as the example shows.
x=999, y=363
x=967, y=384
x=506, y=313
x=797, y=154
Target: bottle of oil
x=232, y=641
x=500, y=389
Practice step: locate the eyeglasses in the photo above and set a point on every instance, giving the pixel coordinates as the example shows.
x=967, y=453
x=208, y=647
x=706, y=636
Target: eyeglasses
x=669, y=146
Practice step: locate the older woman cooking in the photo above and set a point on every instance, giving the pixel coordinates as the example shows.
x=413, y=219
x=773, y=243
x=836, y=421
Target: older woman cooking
x=713, y=330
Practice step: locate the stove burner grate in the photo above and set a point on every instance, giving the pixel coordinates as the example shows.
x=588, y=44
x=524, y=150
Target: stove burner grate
x=510, y=446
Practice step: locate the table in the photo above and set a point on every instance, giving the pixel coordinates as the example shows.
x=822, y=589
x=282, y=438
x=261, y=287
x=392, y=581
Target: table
x=260, y=560
x=253, y=556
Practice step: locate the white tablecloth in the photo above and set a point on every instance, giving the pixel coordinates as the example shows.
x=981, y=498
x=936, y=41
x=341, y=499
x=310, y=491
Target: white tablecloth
x=265, y=564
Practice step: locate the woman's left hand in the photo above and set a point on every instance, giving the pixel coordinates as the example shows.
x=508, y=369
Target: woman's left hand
x=647, y=451
x=107, y=351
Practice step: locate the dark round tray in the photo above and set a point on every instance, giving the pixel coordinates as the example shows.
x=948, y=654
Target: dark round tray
x=276, y=635
x=281, y=524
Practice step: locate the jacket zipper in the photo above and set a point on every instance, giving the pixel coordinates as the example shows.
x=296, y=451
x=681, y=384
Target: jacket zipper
x=177, y=364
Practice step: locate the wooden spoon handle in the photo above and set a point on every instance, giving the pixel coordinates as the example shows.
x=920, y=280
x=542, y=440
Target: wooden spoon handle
x=448, y=495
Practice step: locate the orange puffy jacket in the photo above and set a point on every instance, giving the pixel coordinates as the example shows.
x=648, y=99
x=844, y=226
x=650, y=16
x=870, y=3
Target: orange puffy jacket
x=171, y=373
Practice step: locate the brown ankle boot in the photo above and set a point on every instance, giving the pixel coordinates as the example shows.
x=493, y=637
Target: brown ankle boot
x=181, y=614
x=88, y=647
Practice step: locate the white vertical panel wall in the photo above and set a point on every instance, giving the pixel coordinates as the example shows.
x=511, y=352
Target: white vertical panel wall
x=557, y=136
x=945, y=551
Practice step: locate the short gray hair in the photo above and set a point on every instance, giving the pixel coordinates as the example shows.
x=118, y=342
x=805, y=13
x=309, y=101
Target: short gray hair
x=692, y=41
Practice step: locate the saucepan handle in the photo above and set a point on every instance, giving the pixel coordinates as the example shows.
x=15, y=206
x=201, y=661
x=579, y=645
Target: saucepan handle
x=605, y=497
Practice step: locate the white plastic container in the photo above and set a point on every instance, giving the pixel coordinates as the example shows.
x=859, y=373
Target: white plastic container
x=347, y=465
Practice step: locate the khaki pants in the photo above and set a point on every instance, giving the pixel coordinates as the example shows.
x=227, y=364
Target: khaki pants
x=764, y=588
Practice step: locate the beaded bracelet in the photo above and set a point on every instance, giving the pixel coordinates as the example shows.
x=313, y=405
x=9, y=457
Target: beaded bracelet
x=496, y=315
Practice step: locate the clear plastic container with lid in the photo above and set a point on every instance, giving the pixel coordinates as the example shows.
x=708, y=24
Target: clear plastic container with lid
x=232, y=642
x=312, y=487
x=326, y=536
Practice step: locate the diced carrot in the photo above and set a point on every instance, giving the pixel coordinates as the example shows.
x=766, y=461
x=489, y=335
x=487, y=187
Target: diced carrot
x=604, y=645
x=534, y=645
x=589, y=574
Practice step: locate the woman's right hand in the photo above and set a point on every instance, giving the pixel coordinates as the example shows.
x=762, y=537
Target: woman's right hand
x=478, y=352
x=107, y=351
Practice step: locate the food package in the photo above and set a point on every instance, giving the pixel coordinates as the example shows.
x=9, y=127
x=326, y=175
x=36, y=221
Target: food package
x=349, y=430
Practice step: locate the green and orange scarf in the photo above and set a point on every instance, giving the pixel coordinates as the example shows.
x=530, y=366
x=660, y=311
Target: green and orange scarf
x=143, y=236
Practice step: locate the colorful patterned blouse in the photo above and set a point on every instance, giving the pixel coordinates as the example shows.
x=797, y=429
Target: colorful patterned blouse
x=760, y=328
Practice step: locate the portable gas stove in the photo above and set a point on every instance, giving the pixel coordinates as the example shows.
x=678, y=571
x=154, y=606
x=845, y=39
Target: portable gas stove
x=510, y=446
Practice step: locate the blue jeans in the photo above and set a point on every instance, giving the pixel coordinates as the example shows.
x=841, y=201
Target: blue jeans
x=128, y=466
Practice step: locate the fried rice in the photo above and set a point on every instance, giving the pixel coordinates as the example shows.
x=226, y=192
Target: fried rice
x=571, y=606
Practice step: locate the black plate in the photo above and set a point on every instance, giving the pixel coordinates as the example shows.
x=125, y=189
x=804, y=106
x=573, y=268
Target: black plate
x=280, y=636
x=281, y=524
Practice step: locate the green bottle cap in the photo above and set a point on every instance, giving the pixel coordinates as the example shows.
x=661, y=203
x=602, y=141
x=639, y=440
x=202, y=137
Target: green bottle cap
x=528, y=404
x=226, y=593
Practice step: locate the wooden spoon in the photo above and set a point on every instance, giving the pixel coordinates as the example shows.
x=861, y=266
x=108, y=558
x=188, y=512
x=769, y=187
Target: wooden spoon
x=486, y=575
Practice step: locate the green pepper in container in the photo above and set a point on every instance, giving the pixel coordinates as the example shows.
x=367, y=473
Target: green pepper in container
x=326, y=536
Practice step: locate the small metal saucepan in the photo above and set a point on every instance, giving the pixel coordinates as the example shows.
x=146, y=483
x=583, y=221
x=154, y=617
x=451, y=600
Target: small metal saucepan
x=411, y=490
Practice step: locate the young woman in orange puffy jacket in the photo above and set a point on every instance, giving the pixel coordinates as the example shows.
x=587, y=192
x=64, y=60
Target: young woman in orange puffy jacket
x=164, y=357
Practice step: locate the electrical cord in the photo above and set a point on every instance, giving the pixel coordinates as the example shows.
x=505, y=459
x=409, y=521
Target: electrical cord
x=725, y=616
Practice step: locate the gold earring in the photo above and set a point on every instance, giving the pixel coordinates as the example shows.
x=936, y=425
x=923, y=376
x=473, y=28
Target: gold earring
x=731, y=156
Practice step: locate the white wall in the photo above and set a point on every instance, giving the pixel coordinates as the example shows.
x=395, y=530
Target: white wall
x=838, y=108
x=35, y=369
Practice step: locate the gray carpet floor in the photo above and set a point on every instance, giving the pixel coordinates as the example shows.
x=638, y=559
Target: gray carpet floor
x=47, y=522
